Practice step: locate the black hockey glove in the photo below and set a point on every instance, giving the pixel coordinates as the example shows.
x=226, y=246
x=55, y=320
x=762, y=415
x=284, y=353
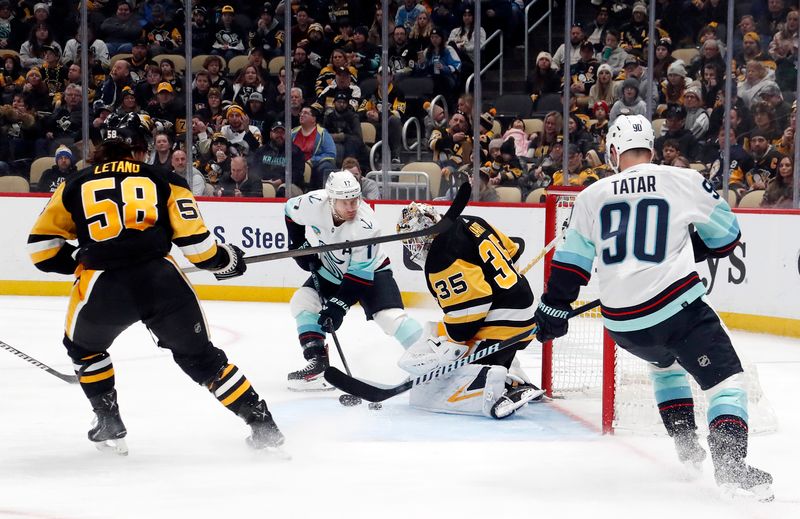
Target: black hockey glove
x=332, y=314
x=234, y=267
x=699, y=247
x=310, y=262
x=552, y=320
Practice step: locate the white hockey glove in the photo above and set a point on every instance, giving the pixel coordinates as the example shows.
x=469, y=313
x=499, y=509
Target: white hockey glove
x=235, y=266
x=429, y=353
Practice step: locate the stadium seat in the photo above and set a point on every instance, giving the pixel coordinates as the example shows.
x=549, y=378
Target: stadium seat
x=658, y=124
x=267, y=190
x=368, y=87
x=537, y=196
x=533, y=126
x=12, y=184
x=417, y=87
x=197, y=62
x=687, y=55
x=236, y=64
x=177, y=59
x=513, y=105
x=368, y=133
x=434, y=172
x=117, y=57
x=731, y=196
x=8, y=52
x=38, y=168
x=275, y=65
x=752, y=199
x=307, y=173
x=698, y=166
x=509, y=194
x=548, y=103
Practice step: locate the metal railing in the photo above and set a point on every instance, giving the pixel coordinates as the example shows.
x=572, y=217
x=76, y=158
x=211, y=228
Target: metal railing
x=400, y=189
x=416, y=145
x=373, y=151
x=499, y=35
x=530, y=28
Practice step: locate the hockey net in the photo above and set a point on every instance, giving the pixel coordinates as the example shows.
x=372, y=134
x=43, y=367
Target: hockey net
x=586, y=365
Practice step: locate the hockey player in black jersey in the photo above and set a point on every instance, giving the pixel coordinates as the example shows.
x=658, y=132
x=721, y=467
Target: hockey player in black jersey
x=125, y=216
x=470, y=271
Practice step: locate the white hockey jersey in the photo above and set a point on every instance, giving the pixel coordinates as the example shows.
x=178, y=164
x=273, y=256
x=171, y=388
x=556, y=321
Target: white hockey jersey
x=313, y=210
x=636, y=224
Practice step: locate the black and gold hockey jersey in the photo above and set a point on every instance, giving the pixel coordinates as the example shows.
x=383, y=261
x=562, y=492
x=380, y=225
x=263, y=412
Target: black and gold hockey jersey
x=122, y=213
x=470, y=270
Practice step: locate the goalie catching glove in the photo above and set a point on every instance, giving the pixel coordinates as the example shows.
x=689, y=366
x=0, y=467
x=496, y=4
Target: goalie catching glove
x=234, y=267
x=552, y=320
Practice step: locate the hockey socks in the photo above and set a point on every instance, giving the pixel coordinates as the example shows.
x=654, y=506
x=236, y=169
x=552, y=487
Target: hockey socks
x=232, y=389
x=95, y=373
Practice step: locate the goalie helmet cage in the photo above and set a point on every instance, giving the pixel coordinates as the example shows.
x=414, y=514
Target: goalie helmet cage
x=586, y=363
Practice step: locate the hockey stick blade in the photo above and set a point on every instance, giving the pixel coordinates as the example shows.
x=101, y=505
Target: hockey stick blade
x=378, y=393
x=70, y=379
x=459, y=203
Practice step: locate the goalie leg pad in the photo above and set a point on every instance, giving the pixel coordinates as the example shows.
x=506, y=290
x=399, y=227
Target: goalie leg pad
x=470, y=390
x=397, y=323
x=429, y=353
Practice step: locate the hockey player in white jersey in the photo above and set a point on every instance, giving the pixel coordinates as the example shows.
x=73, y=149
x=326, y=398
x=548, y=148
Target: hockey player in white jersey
x=637, y=224
x=362, y=274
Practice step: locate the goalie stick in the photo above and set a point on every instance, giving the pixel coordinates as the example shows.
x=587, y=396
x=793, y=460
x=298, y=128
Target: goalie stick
x=378, y=393
x=458, y=205
x=70, y=379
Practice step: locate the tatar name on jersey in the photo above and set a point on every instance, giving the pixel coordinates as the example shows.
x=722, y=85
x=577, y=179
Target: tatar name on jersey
x=314, y=211
x=662, y=199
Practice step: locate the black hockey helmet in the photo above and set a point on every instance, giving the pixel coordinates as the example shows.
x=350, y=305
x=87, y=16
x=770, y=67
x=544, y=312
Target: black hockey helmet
x=132, y=129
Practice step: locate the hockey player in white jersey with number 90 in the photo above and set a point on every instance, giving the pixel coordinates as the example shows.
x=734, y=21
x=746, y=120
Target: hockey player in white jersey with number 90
x=340, y=278
x=637, y=224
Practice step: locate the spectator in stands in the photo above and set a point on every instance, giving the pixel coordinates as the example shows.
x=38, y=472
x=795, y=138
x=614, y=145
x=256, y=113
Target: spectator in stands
x=344, y=127
x=248, y=81
x=452, y=150
x=370, y=190
x=780, y=188
x=72, y=49
x=746, y=24
x=697, y=120
x=317, y=46
x=218, y=163
x=12, y=78
x=12, y=30
x=669, y=152
x=374, y=36
x=402, y=55
x=757, y=78
x=440, y=61
x=215, y=68
x=435, y=119
x=461, y=38
x=296, y=103
x=599, y=129
x=269, y=35
x=576, y=130
x=342, y=84
x=192, y=175
x=580, y=174
x=170, y=75
x=663, y=57
x=711, y=53
x=31, y=53
x=633, y=69
x=317, y=146
x=169, y=112
x=516, y=132
x=752, y=52
x=370, y=111
x=675, y=129
x=216, y=112
x=345, y=35
x=162, y=151
x=19, y=129
x=56, y=175
x=121, y=30
x=629, y=103
x=200, y=88
x=327, y=76
x=603, y=89
x=202, y=31
x=505, y=167
x=258, y=113
x=243, y=137
x=36, y=91
x=419, y=36
x=541, y=143
x=675, y=85
x=764, y=120
x=201, y=139
x=128, y=104
x=712, y=158
x=576, y=37
x=541, y=174
x=163, y=36
x=445, y=15
x=229, y=38
x=543, y=79
x=139, y=60
x=238, y=182
x=120, y=77
x=63, y=126
x=269, y=163
x=613, y=55
x=786, y=144
x=634, y=33
x=303, y=73
x=147, y=90
x=710, y=85
x=54, y=73
x=583, y=74
x=596, y=31
x=407, y=13
x=775, y=17
x=302, y=23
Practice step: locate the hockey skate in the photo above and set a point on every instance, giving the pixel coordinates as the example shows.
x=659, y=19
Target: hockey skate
x=515, y=398
x=108, y=432
x=310, y=378
x=690, y=453
x=736, y=478
x=264, y=434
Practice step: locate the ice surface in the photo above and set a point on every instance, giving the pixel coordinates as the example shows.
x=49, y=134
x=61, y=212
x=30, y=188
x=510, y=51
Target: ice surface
x=188, y=457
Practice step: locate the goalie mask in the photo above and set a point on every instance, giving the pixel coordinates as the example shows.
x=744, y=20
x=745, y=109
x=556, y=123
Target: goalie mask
x=417, y=217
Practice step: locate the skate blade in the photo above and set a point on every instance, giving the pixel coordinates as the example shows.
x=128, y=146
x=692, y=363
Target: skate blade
x=761, y=493
x=118, y=447
x=274, y=452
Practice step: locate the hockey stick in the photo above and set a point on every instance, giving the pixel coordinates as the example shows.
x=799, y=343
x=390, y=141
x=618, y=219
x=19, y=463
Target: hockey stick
x=458, y=205
x=315, y=278
x=70, y=379
x=378, y=393
x=547, y=248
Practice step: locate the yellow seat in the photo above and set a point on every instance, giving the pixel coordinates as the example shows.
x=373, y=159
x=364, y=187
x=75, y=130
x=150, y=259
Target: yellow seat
x=752, y=199
x=434, y=172
x=177, y=59
x=267, y=190
x=533, y=126
x=509, y=194
x=8, y=52
x=698, y=166
x=368, y=133
x=275, y=65
x=38, y=168
x=658, y=124
x=731, y=196
x=12, y=184
x=307, y=173
x=117, y=57
x=537, y=196
x=686, y=55
x=236, y=64
x=197, y=62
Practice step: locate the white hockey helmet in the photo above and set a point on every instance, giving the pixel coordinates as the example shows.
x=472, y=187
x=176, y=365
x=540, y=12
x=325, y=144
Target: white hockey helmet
x=416, y=217
x=628, y=132
x=342, y=185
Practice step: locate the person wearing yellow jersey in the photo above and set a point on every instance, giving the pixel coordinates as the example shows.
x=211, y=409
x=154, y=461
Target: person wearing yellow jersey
x=580, y=174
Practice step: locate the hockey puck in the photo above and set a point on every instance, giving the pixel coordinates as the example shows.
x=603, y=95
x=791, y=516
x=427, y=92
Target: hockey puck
x=349, y=400
x=375, y=406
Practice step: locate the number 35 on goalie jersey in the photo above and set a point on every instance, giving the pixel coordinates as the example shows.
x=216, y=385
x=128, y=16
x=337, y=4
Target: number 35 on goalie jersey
x=470, y=271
